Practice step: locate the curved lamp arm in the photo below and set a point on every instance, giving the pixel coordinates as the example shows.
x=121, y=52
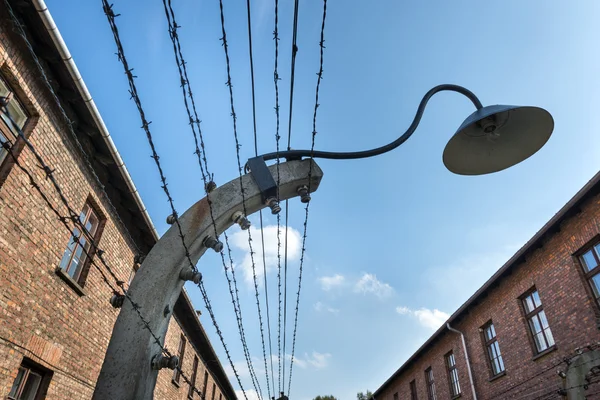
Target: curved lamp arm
x=298, y=154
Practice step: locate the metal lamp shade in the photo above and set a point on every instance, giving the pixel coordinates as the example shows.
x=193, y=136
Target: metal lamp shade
x=496, y=137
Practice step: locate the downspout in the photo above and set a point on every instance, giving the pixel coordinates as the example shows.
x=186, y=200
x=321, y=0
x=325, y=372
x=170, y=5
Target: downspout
x=466, y=358
x=66, y=57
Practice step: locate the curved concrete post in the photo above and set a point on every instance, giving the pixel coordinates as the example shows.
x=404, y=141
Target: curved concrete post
x=579, y=372
x=126, y=373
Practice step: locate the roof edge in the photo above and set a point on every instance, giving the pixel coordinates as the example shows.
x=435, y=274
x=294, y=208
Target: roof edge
x=67, y=59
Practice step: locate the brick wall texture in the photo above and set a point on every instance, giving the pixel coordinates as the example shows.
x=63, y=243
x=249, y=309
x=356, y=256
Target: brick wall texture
x=569, y=306
x=41, y=317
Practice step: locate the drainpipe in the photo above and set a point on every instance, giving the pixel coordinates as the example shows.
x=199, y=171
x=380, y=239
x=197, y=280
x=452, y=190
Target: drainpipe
x=466, y=358
x=65, y=55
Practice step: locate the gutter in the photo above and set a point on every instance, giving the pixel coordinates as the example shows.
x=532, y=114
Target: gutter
x=67, y=59
x=466, y=358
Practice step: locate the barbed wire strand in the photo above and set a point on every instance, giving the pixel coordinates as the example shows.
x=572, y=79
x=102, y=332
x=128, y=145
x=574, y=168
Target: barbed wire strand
x=239, y=163
x=285, y=257
x=145, y=126
x=312, y=148
x=201, y=155
x=262, y=232
x=276, y=80
x=20, y=30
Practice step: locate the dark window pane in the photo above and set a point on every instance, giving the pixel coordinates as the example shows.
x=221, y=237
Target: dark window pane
x=17, y=383
x=31, y=386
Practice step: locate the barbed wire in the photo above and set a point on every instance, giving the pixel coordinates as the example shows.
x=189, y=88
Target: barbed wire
x=312, y=148
x=276, y=80
x=145, y=126
x=201, y=155
x=291, y=108
x=20, y=30
x=242, y=190
x=262, y=233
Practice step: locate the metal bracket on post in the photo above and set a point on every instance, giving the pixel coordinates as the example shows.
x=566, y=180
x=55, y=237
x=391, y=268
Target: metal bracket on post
x=265, y=182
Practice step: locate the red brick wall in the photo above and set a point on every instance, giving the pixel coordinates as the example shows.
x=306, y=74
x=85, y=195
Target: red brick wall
x=165, y=388
x=41, y=317
x=569, y=307
x=39, y=311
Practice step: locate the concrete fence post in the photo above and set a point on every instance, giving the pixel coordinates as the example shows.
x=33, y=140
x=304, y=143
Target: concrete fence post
x=127, y=371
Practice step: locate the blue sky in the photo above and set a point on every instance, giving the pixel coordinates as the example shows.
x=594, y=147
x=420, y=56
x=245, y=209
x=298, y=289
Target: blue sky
x=396, y=241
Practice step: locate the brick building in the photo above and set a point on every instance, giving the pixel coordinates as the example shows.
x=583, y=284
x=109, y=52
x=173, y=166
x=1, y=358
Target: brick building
x=55, y=315
x=537, y=309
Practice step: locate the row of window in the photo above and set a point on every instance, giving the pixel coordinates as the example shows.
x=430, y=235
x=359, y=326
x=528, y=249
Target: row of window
x=192, y=383
x=537, y=324
x=538, y=327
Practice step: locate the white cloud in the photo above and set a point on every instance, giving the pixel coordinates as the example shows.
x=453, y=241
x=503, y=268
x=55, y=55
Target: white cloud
x=240, y=366
x=431, y=319
x=403, y=310
x=250, y=394
x=320, y=307
x=369, y=283
x=329, y=282
x=318, y=360
x=315, y=360
x=239, y=240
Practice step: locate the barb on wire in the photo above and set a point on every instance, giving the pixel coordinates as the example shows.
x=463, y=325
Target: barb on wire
x=312, y=148
x=70, y=126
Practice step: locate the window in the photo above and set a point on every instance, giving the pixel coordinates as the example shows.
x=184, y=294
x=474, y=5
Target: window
x=220, y=396
x=75, y=260
x=452, y=374
x=590, y=260
x=8, y=132
x=493, y=348
x=180, y=353
x=205, y=384
x=430, y=384
x=413, y=390
x=537, y=321
x=31, y=382
x=193, y=378
x=213, y=392
x=396, y=396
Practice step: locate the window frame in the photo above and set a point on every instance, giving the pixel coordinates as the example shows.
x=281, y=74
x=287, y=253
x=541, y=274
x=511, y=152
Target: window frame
x=487, y=346
x=180, y=354
x=45, y=378
x=589, y=274
x=17, y=94
x=535, y=313
x=214, y=389
x=205, y=385
x=193, y=378
x=413, y=390
x=430, y=383
x=452, y=371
